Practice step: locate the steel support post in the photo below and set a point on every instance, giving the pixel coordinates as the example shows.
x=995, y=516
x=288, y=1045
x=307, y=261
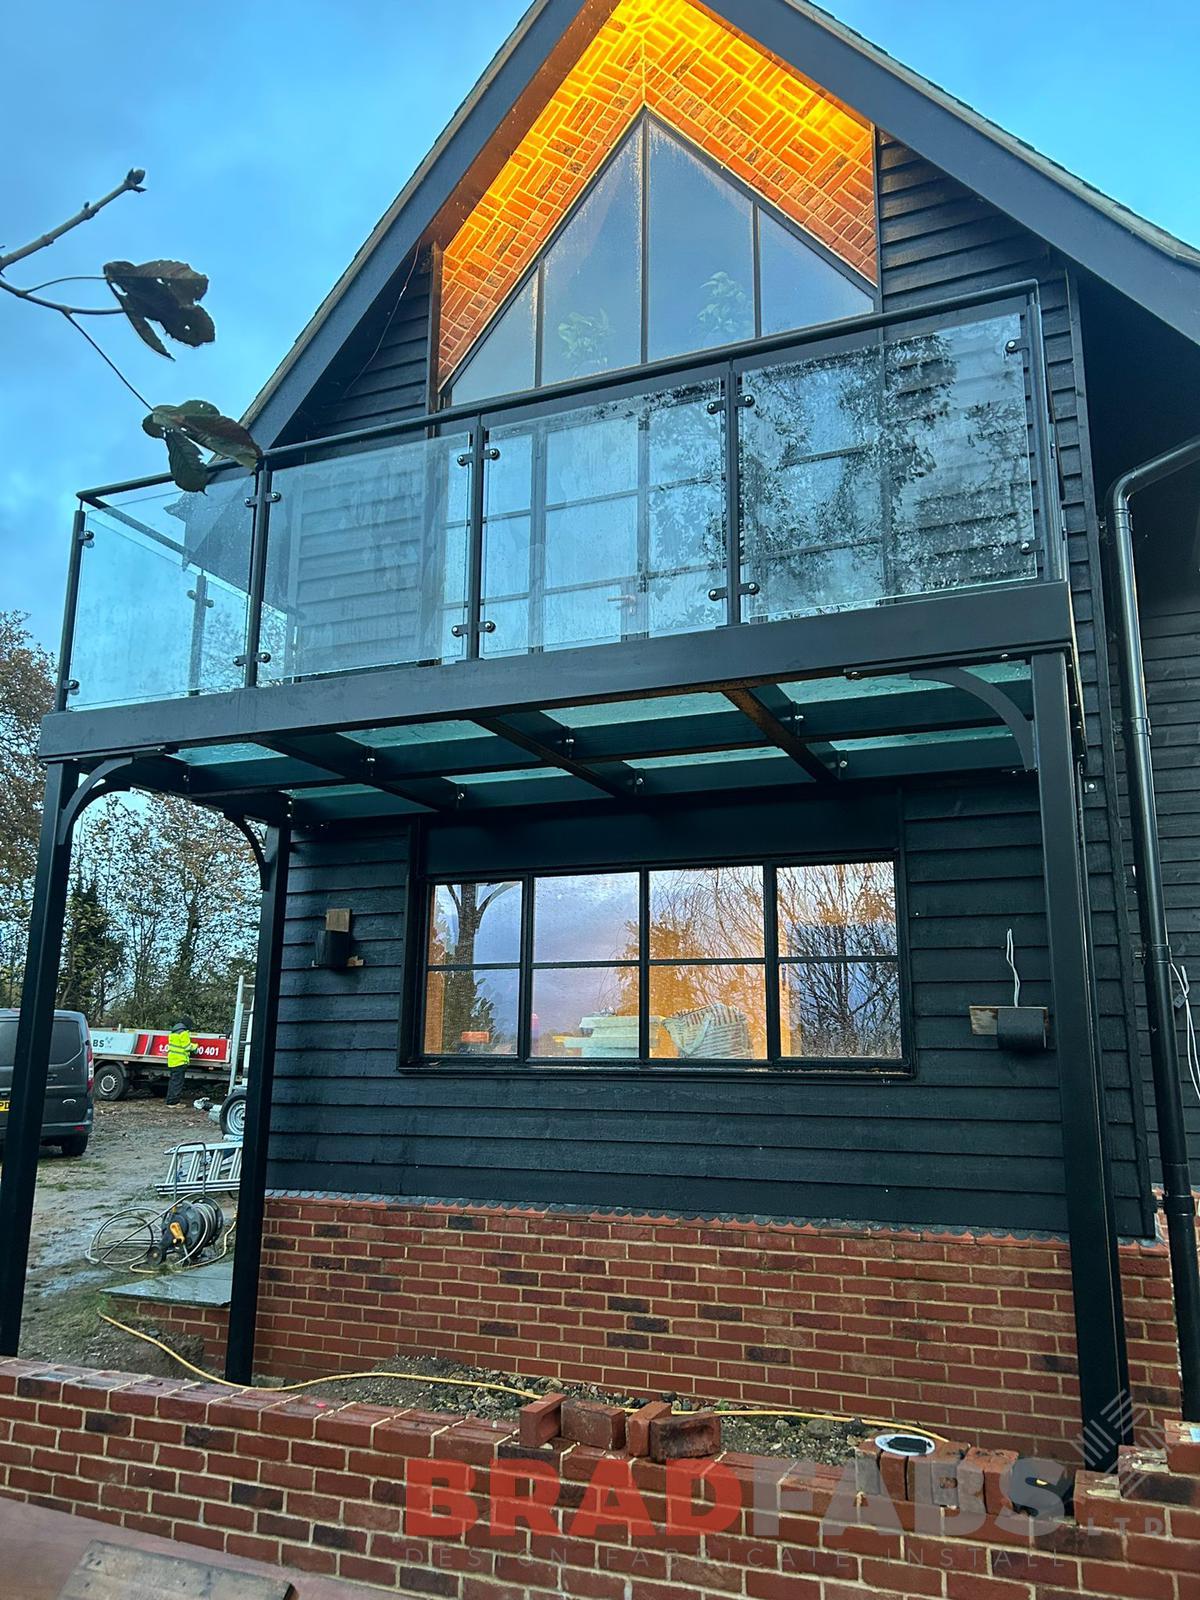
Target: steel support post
x=247, y=1255
x=31, y=1062
x=1095, y=1267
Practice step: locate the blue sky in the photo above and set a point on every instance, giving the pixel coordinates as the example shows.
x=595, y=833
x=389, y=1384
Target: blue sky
x=275, y=134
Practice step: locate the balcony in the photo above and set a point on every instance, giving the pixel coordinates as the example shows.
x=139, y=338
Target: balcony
x=862, y=465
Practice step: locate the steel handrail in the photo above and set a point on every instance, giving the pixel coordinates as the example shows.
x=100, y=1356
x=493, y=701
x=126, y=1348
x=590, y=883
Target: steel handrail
x=627, y=379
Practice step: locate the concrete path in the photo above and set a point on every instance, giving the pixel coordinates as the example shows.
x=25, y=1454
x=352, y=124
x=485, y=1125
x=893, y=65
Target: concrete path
x=42, y=1548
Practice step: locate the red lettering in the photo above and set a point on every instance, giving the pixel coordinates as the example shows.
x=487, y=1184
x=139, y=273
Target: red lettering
x=508, y=1507
x=438, y=1502
x=724, y=1497
x=611, y=1500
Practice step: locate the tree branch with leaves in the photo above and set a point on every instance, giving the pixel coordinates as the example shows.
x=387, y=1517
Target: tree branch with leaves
x=151, y=295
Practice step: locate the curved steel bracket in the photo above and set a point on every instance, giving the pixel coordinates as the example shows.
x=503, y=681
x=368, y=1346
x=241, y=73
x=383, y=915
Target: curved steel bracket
x=244, y=828
x=110, y=777
x=994, y=698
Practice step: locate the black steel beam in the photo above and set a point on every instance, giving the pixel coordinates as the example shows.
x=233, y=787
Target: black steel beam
x=158, y=774
x=823, y=722
x=1095, y=1268
x=357, y=763
x=31, y=1059
x=247, y=1254
x=949, y=629
x=551, y=744
x=767, y=720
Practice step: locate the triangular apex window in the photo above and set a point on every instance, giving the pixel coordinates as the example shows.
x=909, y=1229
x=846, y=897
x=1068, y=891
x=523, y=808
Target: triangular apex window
x=663, y=255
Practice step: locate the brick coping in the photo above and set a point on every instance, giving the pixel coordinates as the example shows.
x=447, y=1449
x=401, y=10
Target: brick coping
x=433, y=1502
x=902, y=1231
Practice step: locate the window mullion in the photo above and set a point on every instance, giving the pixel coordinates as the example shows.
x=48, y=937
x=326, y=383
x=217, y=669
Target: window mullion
x=525, y=974
x=644, y=964
x=771, y=952
x=644, y=136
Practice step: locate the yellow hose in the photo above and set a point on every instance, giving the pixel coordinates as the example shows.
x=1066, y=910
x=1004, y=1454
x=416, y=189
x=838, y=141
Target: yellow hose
x=312, y=1383
x=499, y=1388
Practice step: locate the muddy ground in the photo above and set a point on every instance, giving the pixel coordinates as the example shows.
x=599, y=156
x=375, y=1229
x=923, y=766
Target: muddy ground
x=127, y=1156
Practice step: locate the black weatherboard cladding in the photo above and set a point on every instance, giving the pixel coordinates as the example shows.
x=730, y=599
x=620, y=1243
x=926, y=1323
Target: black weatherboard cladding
x=383, y=374
x=1171, y=648
x=974, y=1139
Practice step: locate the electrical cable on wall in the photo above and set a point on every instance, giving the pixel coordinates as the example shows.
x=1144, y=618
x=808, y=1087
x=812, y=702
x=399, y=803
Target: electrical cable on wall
x=1011, y=957
x=1183, y=1002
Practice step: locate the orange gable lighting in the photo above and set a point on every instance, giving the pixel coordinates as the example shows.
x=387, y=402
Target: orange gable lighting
x=797, y=147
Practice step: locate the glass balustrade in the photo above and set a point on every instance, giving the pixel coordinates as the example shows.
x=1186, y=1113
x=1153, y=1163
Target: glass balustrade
x=367, y=560
x=163, y=605
x=605, y=522
x=900, y=468
x=861, y=469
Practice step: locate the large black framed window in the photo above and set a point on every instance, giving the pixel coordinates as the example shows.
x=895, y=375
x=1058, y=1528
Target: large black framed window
x=784, y=963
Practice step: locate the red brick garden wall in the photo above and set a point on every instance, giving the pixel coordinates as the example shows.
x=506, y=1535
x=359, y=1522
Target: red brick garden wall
x=442, y=1506
x=973, y=1335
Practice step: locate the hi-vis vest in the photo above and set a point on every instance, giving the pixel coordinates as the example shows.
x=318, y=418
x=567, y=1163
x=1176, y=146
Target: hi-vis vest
x=179, y=1049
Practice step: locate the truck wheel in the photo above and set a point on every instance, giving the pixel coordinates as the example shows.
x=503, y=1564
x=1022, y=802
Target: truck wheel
x=233, y=1114
x=75, y=1145
x=111, y=1081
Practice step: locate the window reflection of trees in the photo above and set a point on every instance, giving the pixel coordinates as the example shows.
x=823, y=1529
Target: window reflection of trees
x=716, y=938
x=462, y=1002
x=840, y=990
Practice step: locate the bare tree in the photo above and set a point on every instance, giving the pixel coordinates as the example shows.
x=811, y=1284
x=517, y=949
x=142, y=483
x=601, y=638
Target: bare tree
x=837, y=947
x=162, y=293
x=462, y=1006
x=179, y=888
x=26, y=695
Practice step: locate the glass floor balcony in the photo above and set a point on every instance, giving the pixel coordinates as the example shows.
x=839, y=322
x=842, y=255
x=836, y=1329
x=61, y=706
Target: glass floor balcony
x=821, y=732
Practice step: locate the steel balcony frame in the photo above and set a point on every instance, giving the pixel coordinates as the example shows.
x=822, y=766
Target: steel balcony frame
x=727, y=367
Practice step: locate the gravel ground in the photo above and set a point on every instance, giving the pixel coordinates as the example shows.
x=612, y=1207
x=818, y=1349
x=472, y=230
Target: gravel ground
x=64, y=1294
x=791, y=1437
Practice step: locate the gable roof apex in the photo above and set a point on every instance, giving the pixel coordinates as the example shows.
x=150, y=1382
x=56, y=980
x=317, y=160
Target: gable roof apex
x=1141, y=260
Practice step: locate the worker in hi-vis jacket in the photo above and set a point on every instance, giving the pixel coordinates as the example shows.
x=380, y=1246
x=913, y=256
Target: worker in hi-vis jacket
x=180, y=1051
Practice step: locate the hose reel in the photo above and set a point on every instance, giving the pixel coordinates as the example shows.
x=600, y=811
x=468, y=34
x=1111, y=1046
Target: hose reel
x=185, y=1229
x=138, y=1241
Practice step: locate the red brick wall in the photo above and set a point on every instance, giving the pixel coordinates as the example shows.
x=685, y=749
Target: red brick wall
x=968, y=1334
x=337, y=1490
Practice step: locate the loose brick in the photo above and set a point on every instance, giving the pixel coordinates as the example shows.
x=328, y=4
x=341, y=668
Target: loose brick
x=591, y=1423
x=685, y=1435
x=893, y=1474
x=1183, y=1447
x=1145, y=1475
x=637, y=1426
x=934, y=1478
x=867, y=1477
x=540, y=1420
x=983, y=1481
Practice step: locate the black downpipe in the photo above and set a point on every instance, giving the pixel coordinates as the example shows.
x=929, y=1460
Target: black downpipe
x=1178, y=1201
